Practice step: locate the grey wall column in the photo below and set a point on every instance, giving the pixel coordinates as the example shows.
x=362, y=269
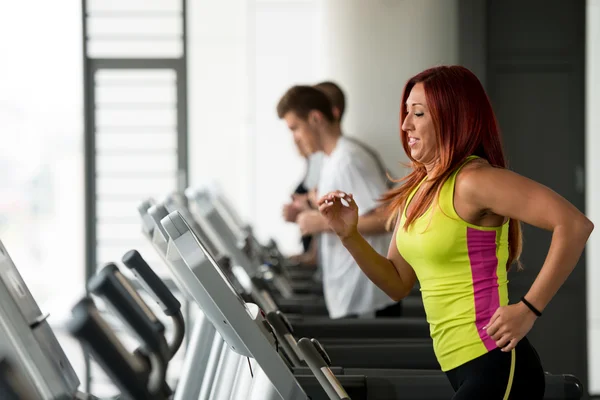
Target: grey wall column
x=371, y=48
x=535, y=77
x=472, y=36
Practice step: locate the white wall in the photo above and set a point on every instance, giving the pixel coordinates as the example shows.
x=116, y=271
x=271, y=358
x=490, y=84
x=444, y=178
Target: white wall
x=219, y=122
x=245, y=54
x=593, y=190
x=286, y=53
x=372, y=47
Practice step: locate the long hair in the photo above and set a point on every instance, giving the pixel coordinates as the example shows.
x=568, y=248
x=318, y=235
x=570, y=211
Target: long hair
x=465, y=125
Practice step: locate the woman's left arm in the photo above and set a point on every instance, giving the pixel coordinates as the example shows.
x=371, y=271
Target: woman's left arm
x=508, y=194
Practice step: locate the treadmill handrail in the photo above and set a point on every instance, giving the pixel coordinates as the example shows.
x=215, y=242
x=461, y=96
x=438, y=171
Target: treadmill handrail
x=161, y=294
x=127, y=371
x=321, y=371
x=151, y=282
x=110, y=284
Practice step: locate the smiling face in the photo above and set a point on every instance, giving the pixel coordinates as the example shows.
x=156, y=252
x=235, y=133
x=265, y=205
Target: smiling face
x=418, y=127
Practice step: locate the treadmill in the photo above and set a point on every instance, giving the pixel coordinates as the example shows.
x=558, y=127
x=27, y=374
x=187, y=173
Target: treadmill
x=280, y=382
x=32, y=357
x=205, y=348
x=243, y=326
x=205, y=357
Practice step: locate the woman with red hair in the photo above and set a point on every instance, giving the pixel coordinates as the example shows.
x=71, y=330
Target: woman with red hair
x=457, y=230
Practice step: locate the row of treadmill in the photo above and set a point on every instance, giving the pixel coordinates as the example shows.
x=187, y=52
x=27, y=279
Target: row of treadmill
x=259, y=330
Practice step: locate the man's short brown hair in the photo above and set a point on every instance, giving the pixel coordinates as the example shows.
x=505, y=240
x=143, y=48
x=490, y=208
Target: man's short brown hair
x=335, y=94
x=301, y=100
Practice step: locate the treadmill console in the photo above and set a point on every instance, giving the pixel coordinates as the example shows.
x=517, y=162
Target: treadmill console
x=209, y=285
x=203, y=232
x=27, y=340
x=243, y=326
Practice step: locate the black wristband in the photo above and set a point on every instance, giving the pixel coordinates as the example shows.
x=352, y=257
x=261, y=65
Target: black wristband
x=531, y=307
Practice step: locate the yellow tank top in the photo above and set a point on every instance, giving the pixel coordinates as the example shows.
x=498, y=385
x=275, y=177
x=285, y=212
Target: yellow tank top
x=461, y=268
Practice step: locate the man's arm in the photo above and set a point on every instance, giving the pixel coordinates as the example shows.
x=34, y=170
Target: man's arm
x=372, y=223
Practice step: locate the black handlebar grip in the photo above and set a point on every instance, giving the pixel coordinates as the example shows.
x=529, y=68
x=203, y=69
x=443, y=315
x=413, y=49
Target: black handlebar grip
x=321, y=351
x=279, y=323
x=573, y=387
x=124, y=369
x=151, y=282
x=112, y=285
x=286, y=321
x=259, y=284
x=567, y=387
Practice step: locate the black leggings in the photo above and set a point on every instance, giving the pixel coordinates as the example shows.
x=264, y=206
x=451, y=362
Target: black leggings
x=487, y=377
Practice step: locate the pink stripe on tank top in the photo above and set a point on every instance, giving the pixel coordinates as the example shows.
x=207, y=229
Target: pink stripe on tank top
x=482, y=255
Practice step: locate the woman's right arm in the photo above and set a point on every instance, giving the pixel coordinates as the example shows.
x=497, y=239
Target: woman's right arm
x=392, y=274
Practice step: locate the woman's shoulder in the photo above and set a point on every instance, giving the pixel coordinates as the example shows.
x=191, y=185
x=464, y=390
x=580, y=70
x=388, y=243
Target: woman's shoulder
x=470, y=177
x=474, y=164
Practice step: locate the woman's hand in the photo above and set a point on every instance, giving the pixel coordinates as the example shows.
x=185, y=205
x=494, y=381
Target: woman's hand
x=510, y=324
x=341, y=212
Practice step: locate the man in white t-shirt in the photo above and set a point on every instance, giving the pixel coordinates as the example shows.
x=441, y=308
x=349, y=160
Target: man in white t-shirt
x=347, y=167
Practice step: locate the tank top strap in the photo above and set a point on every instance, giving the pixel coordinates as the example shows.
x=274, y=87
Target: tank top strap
x=446, y=199
x=409, y=198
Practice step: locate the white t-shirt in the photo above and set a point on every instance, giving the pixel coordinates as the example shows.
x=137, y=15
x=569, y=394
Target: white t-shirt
x=315, y=162
x=347, y=289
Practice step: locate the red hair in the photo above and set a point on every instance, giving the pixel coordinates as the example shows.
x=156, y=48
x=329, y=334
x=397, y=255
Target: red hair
x=465, y=125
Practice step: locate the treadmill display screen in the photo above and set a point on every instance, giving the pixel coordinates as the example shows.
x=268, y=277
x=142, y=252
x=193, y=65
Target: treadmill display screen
x=216, y=266
x=206, y=241
x=173, y=205
x=235, y=221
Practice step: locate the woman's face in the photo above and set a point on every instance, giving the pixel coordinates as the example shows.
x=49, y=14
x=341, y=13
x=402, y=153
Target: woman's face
x=418, y=127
